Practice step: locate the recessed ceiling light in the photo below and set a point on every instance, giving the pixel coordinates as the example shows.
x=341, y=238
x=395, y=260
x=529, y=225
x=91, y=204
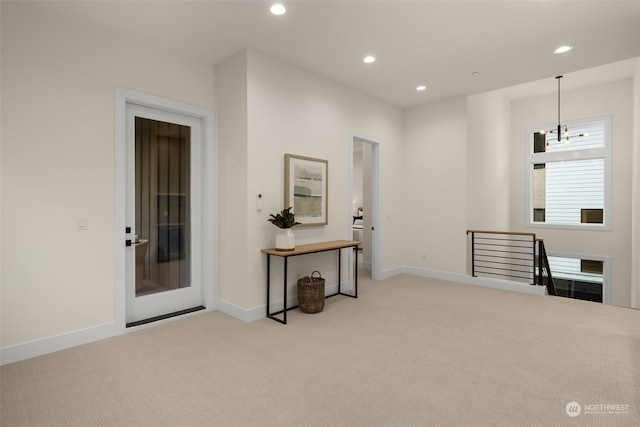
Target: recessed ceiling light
x=563, y=49
x=369, y=59
x=278, y=9
x=421, y=88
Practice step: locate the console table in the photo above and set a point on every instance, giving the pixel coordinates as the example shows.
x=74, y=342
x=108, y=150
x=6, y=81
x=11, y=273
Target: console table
x=334, y=245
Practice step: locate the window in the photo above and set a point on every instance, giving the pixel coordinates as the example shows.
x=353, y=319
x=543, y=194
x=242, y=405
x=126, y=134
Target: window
x=579, y=278
x=568, y=183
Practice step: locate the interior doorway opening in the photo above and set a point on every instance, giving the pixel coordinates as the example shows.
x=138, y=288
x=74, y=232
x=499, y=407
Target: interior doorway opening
x=363, y=202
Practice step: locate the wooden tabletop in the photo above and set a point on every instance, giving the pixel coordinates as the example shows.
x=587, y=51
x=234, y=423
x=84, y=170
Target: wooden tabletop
x=313, y=247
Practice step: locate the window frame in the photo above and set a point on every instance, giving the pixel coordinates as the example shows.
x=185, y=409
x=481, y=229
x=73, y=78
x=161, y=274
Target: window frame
x=532, y=158
x=606, y=270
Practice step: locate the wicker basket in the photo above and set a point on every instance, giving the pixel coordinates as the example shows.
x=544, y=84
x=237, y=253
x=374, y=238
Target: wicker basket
x=311, y=293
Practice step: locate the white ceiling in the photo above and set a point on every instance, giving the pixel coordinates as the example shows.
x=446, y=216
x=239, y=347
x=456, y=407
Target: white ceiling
x=436, y=43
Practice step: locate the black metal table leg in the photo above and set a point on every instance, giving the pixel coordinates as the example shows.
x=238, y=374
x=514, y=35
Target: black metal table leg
x=285, y=290
x=284, y=284
x=355, y=268
x=339, y=271
x=268, y=283
x=269, y=314
x=355, y=295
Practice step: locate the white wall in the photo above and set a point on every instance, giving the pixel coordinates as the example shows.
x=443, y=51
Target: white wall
x=58, y=80
x=489, y=162
x=233, y=209
x=435, y=186
x=290, y=110
x=613, y=99
x=635, y=192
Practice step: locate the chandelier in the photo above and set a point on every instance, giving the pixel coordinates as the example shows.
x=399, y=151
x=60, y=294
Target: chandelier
x=561, y=131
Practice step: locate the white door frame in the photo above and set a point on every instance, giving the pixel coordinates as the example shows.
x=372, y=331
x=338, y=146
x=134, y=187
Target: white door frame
x=122, y=97
x=375, y=198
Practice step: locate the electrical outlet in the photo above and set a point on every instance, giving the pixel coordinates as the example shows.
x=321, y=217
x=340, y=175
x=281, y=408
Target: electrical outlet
x=424, y=257
x=81, y=224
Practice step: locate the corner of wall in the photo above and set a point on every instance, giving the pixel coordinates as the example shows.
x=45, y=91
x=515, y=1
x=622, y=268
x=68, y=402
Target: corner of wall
x=635, y=192
x=232, y=170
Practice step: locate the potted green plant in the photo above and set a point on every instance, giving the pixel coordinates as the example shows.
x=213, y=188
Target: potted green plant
x=285, y=220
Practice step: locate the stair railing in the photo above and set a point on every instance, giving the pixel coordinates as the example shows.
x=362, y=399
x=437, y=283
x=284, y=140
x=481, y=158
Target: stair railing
x=544, y=269
x=510, y=255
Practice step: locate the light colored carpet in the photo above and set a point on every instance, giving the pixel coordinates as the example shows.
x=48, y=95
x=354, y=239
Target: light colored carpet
x=409, y=352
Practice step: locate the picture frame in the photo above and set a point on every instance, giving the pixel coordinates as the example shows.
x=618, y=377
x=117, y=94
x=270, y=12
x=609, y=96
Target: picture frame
x=306, y=189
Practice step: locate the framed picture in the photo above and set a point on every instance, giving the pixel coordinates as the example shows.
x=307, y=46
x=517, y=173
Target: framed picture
x=305, y=181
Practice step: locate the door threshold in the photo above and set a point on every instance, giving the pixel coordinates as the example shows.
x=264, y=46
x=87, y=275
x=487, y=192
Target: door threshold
x=165, y=316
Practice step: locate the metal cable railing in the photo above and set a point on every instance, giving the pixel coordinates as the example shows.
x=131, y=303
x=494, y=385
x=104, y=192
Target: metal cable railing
x=510, y=255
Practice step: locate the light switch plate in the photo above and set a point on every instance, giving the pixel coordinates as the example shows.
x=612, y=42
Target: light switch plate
x=259, y=202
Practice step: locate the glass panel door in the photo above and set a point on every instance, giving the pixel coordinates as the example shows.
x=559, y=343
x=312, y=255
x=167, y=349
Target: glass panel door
x=163, y=222
x=164, y=261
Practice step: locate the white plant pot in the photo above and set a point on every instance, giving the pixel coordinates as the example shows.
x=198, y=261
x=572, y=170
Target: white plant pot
x=285, y=239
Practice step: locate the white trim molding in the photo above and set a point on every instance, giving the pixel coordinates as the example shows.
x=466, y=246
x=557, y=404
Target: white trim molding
x=259, y=312
x=70, y=339
x=607, y=272
x=18, y=352
x=23, y=351
x=581, y=153
x=374, y=266
x=122, y=98
x=505, y=285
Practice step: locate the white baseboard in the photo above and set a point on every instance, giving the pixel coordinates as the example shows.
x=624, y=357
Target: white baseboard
x=366, y=266
x=506, y=285
x=18, y=352
x=246, y=315
x=259, y=312
x=390, y=273
x=55, y=343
